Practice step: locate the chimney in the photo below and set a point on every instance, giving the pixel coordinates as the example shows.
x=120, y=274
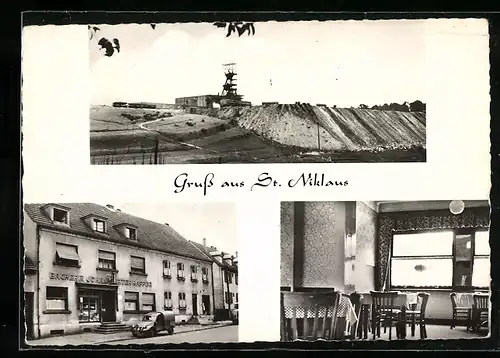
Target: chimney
x=110, y=207
x=204, y=242
x=236, y=254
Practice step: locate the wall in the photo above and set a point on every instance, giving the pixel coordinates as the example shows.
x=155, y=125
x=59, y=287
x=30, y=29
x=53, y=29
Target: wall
x=88, y=252
x=322, y=242
x=366, y=233
x=30, y=280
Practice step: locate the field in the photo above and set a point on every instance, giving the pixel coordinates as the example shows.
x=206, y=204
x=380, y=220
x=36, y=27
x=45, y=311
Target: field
x=148, y=136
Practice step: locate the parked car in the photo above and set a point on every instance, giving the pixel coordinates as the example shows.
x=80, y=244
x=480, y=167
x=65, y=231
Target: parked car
x=154, y=322
x=235, y=314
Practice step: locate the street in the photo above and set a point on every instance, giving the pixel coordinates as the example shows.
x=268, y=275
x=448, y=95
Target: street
x=212, y=335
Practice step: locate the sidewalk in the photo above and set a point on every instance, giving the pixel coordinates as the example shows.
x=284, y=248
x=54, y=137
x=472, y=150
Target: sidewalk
x=99, y=338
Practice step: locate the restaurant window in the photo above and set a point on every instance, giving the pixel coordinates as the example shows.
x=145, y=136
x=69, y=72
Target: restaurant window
x=182, y=300
x=439, y=259
x=89, y=308
x=56, y=298
x=204, y=274
x=60, y=216
x=131, y=233
x=180, y=270
x=168, y=300
x=166, y=268
x=137, y=264
x=131, y=301
x=99, y=225
x=107, y=260
x=148, y=302
x=67, y=255
x=481, y=267
x=194, y=273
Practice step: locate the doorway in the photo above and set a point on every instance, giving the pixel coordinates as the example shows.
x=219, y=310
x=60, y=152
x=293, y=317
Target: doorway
x=195, y=304
x=28, y=314
x=108, y=309
x=205, y=300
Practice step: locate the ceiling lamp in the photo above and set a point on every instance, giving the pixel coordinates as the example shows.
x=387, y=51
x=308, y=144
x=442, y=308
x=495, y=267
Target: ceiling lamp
x=457, y=207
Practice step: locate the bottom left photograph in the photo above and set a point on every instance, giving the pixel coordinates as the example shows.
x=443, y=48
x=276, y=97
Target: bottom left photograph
x=130, y=273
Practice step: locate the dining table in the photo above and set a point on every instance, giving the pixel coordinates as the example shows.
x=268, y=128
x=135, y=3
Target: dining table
x=403, y=301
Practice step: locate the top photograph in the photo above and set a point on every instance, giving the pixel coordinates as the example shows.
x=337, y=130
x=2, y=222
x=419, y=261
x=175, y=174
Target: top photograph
x=263, y=92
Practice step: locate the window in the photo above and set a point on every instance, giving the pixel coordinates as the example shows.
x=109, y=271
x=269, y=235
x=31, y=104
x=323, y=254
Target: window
x=107, y=260
x=56, y=298
x=440, y=259
x=228, y=297
x=148, y=302
x=89, y=308
x=182, y=300
x=168, y=300
x=130, y=233
x=166, y=269
x=137, y=264
x=228, y=276
x=131, y=301
x=237, y=297
x=180, y=271
x=236, y=278
x=232, y=297
x=204, y=274
x=67, y=255
x=60, y=216
x=99, y=225
x=194, y=273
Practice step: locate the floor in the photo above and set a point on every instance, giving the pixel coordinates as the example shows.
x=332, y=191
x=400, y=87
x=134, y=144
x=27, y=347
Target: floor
x=436, y=332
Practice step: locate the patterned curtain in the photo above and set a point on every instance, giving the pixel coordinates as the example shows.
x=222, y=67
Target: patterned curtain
x=390, y=223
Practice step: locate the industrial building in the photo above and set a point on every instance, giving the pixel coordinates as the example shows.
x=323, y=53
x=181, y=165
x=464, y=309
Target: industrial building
x=204, y=101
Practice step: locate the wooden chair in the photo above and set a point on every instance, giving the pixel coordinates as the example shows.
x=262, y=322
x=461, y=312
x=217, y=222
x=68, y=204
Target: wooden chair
x=356, y=302
x=299, y=308
x=384, y=312
x=479, y=310
x=460, y=313
x=416, y=315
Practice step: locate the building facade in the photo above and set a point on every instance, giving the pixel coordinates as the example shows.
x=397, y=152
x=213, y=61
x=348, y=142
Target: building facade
x=87, y=264
x=206, y=101
x=225, y=279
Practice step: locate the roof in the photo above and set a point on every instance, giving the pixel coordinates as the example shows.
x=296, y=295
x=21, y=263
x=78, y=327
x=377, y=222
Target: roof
x=206, y=252
x=150, y=234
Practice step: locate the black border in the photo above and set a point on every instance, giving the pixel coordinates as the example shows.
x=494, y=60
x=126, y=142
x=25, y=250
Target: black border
x=11, y=161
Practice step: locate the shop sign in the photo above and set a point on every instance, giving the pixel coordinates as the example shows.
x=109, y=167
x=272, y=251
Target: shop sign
x=108, y=280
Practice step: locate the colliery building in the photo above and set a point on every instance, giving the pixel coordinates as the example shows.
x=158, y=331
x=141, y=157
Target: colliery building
x=89, y=267
x=205, y=101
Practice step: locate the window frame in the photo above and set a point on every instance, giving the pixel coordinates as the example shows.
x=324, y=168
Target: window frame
x=128, y=233
x=95, y=222
x=181, y=275
x=63, y=298
x=113, y=269
x=179, y=295
x=66, y=222
x=451, y=286
x=135, y=270
x=142, y=302
x=169, y=268
x=194, y=273
x=67, y=263
x=167, y=295
x=204, y=274
x=136, y=301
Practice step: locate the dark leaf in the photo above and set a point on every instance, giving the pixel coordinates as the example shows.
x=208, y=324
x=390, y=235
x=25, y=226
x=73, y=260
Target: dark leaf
x=241, y=29
x=95, y=28
x=252, y=28
x=230, y=30
x=117, y=45
x=106, y=45
x=220, y=24
x=153, y=26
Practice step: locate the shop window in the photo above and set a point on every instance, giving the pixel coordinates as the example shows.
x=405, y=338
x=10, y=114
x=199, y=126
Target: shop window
x=60, y=216
x=67, y=255
x=180, y=271
x=99, y=225
x=148, y=302
x=56, y=298
x=194, y=273
x=131, y=233
x=204, y=274
x=166, y=269
x=107, y=260
x=131, y=301
x=182, y=301
x=89, y=308
x=168, y=300
x=137, y=265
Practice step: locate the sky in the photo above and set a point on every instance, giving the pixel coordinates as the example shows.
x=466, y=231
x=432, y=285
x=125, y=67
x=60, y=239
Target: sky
x=214, y=221
x=343, y=63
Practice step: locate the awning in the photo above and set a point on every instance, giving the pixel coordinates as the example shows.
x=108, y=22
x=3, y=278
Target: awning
x=67, y=253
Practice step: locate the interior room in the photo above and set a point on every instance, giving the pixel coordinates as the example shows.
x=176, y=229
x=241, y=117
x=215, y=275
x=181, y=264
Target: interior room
x=388, y=269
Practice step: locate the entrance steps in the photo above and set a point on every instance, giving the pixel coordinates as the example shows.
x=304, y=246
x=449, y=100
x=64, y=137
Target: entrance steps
x=111, y=327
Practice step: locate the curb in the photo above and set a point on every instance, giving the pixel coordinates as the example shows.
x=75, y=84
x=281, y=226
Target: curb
x=193, y=330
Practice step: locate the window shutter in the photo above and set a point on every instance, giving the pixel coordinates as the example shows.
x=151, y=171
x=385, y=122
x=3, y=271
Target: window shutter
x=106, y=255
x=137, y=262
x=148, y=299
x=131, y=296
x=67, y=252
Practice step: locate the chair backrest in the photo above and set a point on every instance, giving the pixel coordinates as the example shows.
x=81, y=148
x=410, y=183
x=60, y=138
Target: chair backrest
x=298, y=308
x=453, y=297
x=383, y=301
x=423, y=298
x=481, y=302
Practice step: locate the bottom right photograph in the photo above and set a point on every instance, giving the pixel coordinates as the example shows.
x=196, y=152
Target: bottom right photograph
x=385, y=270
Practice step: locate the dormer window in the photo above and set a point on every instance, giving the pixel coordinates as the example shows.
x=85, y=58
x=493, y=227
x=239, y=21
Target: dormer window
x=60, y=216
x=131, y=233
x=99, y=225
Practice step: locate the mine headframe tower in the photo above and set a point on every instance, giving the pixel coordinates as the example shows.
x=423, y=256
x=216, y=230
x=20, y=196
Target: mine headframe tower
x=229, y=90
